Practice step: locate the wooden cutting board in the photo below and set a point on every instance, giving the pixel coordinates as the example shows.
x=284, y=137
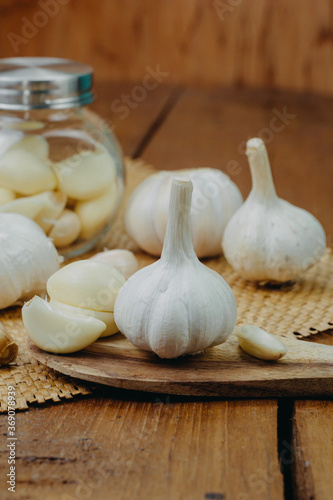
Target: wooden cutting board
x=226, y=370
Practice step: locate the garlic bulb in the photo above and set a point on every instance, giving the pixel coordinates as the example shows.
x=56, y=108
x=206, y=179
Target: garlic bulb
x=124, y=260
x=215, y=200
x=268, y=239
x=28, y=258
x=57, y=331
x=259, y=343
x=8, y=348
x=177, y=305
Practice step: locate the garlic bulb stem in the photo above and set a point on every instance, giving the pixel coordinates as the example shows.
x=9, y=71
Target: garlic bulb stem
x=262, y=180
x=178, y=239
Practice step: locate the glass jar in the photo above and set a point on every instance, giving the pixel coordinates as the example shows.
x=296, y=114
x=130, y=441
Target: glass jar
x=60, y=165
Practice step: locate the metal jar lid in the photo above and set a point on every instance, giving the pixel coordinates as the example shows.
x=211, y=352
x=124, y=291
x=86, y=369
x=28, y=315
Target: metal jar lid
x=44, y=83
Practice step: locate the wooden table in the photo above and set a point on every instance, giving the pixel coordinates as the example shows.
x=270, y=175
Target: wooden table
x=133, y=446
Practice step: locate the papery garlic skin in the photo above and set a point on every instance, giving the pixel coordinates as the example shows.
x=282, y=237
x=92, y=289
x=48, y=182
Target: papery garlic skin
x=57, y=331
x=27, y=259
x=259, y=343
x=122, y=259
x=269, y=239
x=215, y=200
x=177, y=305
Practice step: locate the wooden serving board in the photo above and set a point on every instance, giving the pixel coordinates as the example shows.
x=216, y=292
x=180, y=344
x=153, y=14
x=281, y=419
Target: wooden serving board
x=225, y=370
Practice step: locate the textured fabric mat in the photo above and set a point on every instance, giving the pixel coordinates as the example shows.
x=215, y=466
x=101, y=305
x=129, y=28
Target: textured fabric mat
x=303, y=308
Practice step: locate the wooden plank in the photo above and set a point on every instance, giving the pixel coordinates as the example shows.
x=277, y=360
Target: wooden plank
x=209, y=128
x=313, y=450
x=112, y=447
x=131, y=122
x=225, y=370
x=257, y=42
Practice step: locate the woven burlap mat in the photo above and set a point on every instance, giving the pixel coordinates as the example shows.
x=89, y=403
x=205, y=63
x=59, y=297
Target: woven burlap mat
x=302, y=308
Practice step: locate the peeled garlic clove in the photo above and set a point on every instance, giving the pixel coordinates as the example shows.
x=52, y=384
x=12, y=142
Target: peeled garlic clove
x=25, y=173
x=54, y=204
x=268, y=239
x=124, y=260
x=66, y=229
x=86, y=175
x=27, y=259
x=8, y=348
x=259, y=343
x=29, y=206
x=86, y=283
x=106, y=317
x=177, y=305
x=55, y=331
x=36, y=144
x=6, y=195
x=94, y=214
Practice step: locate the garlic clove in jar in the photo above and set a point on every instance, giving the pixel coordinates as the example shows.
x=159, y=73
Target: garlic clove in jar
x=259, y=343
x=54, y=204
x=106, y=317
x=28, y=258
x=26, y=173
x=57, y=331
x=122, y=259
x=177, y=305
x=29, y=206
x=86, y=175
x=94, y=214
x=6, y=195
x=86, y=283
x=36, y=144
x=269, y=239
x=66, y=229
x=215, y=199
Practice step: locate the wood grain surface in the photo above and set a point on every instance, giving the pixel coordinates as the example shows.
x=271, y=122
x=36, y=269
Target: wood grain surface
x=264, y=43
x=116, y=447
x=129, y=446
x=225, y=370
x=313, y=449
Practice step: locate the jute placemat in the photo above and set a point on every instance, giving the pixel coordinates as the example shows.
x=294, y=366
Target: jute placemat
x=303, y=308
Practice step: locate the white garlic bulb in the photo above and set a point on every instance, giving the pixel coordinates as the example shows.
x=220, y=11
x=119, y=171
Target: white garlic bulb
x=122, y=259
x=215, y=200
x=269, y=239
x=27, y=259
x=177, y=305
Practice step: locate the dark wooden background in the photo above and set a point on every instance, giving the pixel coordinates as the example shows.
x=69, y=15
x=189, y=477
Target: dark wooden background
x=266, y=43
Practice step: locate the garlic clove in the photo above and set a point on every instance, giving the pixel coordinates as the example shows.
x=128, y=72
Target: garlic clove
x=28, y=258
x=29, y=206
x=66, y=229
x=86, y=283
x=259, y=343
x=106, y=317
x=8, y=348
x=55, y=331
x=269, y=239
x=6, y=195
x=86, y=175
x=54, y=204
x=124, y=260
x=177, y=305
x=94, y=214
x=36, y=144
x=26, y=173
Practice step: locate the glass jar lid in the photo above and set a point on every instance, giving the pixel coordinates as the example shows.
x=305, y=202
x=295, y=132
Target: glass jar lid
x=44, y=83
